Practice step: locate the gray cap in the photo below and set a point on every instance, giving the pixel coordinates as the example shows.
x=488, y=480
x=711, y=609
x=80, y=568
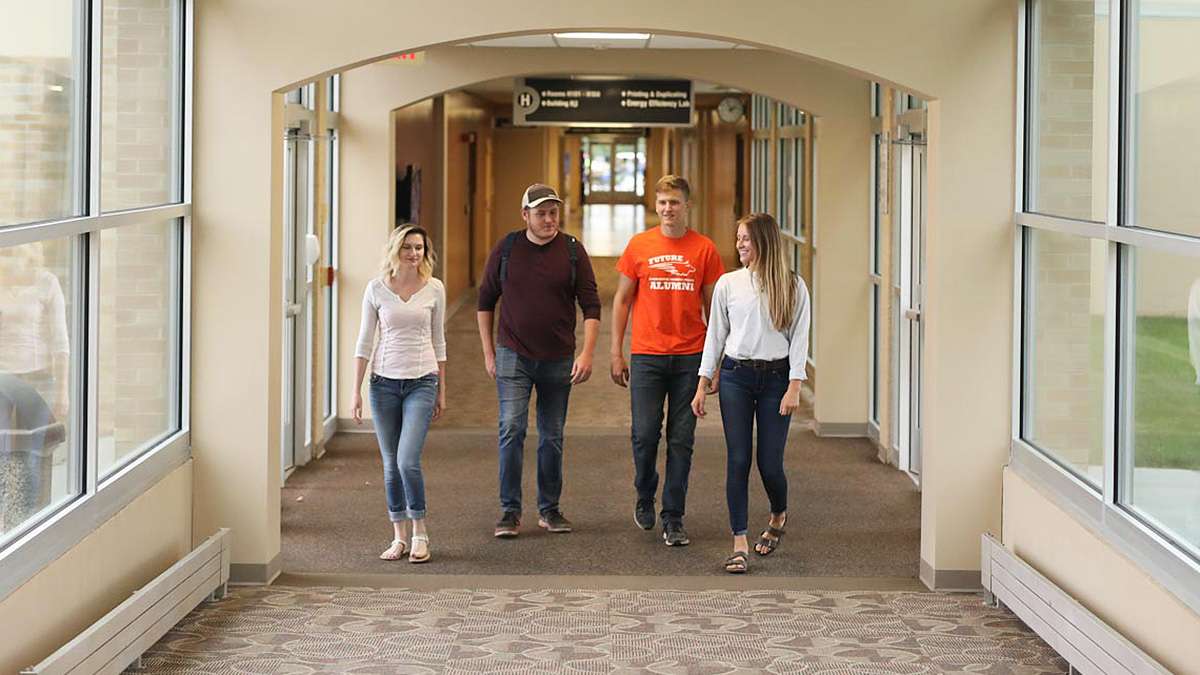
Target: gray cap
x=536, y=194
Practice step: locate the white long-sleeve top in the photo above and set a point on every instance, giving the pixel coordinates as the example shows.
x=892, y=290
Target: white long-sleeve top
x=33, y=324
x=740, y=326
x=412, y=333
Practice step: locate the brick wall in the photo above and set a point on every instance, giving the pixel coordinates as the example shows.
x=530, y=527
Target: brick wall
x=138, y=138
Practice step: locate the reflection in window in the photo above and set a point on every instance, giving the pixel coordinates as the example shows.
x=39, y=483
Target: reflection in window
x=1064, y=350
x=1068, y=121
x=40, y=111
x=139, y=340
x=37, y=470
x=140, y=111
x=1166, y=117
x=1161, y=476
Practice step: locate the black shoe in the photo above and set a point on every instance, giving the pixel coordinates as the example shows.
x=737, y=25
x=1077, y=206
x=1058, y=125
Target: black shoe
x=508, y=525
x=554, y=521
x=643, y=514
x=674, y=534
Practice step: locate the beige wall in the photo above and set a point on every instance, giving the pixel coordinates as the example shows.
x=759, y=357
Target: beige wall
x=1103, y=580
x=520, y=159
x=842, y=287
x=119, y=557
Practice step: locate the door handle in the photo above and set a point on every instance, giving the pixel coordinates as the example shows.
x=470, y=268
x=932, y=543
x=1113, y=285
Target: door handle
x=912, y=314
x=292, y=309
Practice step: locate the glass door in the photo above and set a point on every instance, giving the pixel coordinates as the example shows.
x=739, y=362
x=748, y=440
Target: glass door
x=615, y=169
x=908, y=290
x=296, y=438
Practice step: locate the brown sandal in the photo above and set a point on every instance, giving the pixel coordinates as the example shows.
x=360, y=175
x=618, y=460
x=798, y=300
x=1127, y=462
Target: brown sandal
x=767, y=544
x=737, y=563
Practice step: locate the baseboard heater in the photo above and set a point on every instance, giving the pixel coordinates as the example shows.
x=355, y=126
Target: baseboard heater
x=120, y=637
x=1087, y=643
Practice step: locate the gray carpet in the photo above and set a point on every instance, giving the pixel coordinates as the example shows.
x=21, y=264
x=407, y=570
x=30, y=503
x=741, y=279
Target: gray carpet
x=850, y=516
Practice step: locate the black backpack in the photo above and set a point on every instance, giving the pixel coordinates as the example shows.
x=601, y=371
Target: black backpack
x=511, y=238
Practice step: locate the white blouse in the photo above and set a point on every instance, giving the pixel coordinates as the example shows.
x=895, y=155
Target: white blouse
x=740, y=326
x=33, y=324
x=412, y=336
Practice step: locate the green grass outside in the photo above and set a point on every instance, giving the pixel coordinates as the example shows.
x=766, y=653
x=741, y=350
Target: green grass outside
x=1166, y=397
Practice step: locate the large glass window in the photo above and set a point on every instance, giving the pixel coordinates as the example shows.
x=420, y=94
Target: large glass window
x=1067, y=125
x=138, y=384
x=41, y=114
x=1161, y=469
x=141, y=108
x=1111, y=314
x=1063, y=411
x=38, y=469
x=91, y=308
x=1164, y=69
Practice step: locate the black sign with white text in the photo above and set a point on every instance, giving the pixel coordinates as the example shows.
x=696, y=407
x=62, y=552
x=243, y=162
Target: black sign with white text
x=564, y=102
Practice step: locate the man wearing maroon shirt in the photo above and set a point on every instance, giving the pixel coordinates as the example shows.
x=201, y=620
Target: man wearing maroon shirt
x=542, y=273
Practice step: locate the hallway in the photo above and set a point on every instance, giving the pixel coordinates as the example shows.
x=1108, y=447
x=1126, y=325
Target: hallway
x=851, y=516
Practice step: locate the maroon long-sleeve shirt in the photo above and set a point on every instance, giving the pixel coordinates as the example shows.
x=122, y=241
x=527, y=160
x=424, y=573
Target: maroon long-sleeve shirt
x=537, y=317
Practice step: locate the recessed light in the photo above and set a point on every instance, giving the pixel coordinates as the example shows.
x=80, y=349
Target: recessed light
x=602, y=36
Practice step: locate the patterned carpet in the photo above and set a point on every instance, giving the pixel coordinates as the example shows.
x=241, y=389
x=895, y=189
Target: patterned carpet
x=361, y=630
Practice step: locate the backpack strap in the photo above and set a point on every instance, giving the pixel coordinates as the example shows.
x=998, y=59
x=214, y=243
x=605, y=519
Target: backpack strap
x=506, y=247
x=573, y=255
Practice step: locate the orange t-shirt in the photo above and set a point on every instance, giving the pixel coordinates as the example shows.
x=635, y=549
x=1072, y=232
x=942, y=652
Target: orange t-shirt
x=670, y=274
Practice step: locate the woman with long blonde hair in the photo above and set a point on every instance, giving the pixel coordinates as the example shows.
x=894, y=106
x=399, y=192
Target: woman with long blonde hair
x=407, y=306
x=758, y=334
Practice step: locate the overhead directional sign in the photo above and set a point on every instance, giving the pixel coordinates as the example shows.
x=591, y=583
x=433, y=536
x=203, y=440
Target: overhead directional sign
x=601, y=102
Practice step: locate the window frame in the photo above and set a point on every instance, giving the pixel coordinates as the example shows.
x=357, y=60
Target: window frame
x=30, y=549
x=1161, y=556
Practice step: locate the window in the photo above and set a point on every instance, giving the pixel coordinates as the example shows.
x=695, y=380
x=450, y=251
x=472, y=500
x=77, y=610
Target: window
x=1161, y=460
x=138, y=385
x=1067, y=125
x=92, y=310
x=1164, y=76
x=1110, y=348
x=1064, y=350
x=42, y=75
x=140, y=108
x=39, y=411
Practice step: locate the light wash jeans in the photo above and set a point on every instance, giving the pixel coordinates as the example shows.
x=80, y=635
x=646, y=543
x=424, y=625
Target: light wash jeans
x=402, y=410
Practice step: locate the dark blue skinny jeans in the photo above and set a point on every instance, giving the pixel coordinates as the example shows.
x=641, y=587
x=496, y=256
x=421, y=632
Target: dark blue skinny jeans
x=747, y=395
x=516, y=378
x=402, y=411
x=655, y=379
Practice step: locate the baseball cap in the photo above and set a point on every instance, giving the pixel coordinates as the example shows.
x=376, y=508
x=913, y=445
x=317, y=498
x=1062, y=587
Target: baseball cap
x=536, y=194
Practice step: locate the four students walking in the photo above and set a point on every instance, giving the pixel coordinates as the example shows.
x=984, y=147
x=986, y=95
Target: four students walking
x=695, y=332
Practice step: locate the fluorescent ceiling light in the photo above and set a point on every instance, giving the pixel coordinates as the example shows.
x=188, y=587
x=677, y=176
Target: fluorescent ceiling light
x=603, y=36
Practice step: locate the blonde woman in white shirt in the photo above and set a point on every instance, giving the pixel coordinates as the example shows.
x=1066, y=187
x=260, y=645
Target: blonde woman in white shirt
x=758, y=337
x=408, y=386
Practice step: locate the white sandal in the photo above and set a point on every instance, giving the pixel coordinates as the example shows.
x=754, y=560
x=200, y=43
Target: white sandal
x=399, y=546
x=412, y=556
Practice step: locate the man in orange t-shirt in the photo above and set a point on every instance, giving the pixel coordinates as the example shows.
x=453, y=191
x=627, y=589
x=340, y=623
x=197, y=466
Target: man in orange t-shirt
x=667, y=278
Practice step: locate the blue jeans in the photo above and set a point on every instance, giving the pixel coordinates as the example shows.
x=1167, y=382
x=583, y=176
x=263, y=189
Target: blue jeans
x=748, y=394
x=402, y=410
x=516, y=378
x=653, y=380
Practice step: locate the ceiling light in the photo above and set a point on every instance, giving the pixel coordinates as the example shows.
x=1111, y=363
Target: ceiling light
x=602, y=36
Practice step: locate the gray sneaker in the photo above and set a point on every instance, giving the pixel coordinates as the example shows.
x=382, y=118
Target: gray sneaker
x=674, y=534
x=643, y=514
x=508, y=525
x=554, y=521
